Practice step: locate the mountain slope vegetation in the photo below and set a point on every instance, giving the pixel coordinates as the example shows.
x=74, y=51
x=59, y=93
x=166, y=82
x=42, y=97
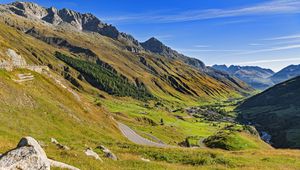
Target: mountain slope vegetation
x=276, y=111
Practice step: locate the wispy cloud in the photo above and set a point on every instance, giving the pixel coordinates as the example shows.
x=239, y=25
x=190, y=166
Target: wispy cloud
x=229, y=22
x=208, y=50
x=201, y=46
x=255, y=44
x=268, y=61
x=272, y=49
x=268, y=8
x=288, y=37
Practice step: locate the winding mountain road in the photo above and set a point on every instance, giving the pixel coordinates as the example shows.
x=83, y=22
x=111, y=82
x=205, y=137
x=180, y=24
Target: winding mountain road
x=136, y=138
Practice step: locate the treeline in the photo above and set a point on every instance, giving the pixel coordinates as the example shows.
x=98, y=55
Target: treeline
x=105, y=79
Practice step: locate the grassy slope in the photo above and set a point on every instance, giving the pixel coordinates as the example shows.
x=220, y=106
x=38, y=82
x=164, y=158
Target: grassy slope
x=125, y=62
x=276, y=111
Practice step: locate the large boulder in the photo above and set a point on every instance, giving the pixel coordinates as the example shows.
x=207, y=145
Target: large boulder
x=27, y=155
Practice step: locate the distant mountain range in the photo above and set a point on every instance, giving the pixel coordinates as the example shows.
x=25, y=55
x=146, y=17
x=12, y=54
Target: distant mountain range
x=276, y=112
x=260, y=78
x=286, y=73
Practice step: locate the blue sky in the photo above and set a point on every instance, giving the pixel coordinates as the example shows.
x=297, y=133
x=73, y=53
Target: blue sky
x=243, y=32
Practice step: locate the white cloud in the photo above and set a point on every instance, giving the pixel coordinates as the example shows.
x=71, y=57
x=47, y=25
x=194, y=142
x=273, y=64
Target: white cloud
x=208, y=50
x=288, y=37
x=268, y=8
x=277, y=48
x=201, y=46
x=255, y=44
x=268, y=61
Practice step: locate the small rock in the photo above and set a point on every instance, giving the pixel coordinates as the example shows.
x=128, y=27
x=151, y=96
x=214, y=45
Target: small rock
x=145, y=160
x=91, y=153
x=108, y=153
x=60, y=146
x=54, y=141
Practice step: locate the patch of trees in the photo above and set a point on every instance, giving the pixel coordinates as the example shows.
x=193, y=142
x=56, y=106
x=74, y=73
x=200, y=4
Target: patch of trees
x=105, y=79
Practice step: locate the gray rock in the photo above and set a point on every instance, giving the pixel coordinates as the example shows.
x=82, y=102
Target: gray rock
x=108, y=153
x=62, y=165
x=60, y=146
x=91, y=153
x=27, y=155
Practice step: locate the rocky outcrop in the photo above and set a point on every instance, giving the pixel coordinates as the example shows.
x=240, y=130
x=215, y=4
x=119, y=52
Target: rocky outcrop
x=29, y=155
x=17, y=60
x=62, y=43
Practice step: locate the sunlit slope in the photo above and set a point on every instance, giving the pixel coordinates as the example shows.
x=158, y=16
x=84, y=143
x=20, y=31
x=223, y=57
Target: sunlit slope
x=168, y=79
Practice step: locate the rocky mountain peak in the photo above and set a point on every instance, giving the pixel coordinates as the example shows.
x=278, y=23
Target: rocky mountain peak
x=27, y=9
x=155, y=46
x=79, y=21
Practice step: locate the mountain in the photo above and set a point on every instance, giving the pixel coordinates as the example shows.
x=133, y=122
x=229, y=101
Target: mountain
x=286, y=73
x=256, y=77
x=276, y=111
x=150, y=65
x=157, y=47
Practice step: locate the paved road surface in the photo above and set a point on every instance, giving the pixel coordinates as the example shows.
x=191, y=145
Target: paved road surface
x=136, y=138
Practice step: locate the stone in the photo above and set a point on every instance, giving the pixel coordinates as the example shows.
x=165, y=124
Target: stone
x=60, y=146
x=145, y=160
x=62, y=165
x=17, y=60
x=27, y=155
x=91, y=153
x=108, y=153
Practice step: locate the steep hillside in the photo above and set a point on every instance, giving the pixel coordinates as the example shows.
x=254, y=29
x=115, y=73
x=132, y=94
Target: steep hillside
x=157, y=47
x=286, y=73
x=276, y=112
x=256, y=77
x=165, y=78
